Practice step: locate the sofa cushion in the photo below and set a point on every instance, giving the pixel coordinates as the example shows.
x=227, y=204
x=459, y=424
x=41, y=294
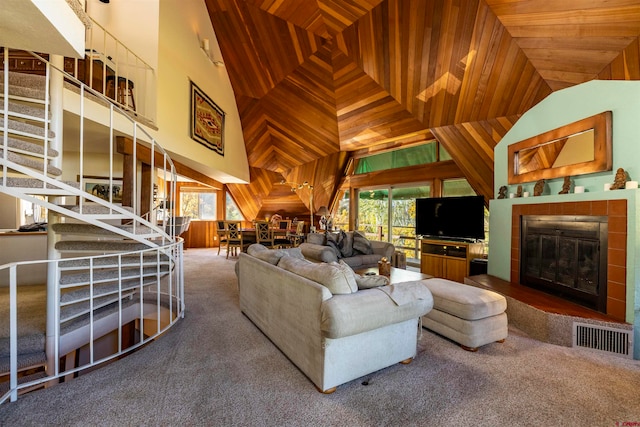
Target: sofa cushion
x=346, y=244
x=272, y=256
x=373, y=281
x=329, y=275
x=345, y=315
x=465, y=301
x=265, y=254
x=364, y=281
x=316, y=238
x=361, y=244
x=293, y=252
x=333, y=242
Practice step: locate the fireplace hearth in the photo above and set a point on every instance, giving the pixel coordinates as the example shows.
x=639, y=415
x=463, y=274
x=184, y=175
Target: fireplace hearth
x=566, y=255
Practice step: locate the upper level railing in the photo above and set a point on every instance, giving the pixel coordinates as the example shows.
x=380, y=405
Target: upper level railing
x=99, y=129
x=114, y=70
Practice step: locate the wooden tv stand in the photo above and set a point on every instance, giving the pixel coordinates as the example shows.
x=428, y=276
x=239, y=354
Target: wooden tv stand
x=448, y=259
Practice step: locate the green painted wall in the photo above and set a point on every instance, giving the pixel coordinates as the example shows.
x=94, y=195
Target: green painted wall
x=622, y=98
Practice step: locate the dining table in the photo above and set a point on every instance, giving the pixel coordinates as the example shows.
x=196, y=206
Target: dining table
x=249, y=234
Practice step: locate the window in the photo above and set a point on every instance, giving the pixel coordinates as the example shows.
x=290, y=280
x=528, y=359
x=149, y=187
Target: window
x=412, y=156
x=389, y=214
x=373, y=213
x=457, y=188
x=232, y=213
x=403, y=219
x=341, y=218
x=198, y=204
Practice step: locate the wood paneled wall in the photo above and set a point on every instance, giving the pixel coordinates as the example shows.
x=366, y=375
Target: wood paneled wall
x=313, y=79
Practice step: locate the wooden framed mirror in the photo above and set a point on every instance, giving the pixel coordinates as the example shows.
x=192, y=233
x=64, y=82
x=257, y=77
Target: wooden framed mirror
x=578, y=148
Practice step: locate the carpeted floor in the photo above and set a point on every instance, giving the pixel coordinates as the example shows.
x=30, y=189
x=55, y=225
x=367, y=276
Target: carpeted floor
x=216, y=368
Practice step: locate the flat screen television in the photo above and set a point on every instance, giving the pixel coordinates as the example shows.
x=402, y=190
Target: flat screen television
x=454, y=218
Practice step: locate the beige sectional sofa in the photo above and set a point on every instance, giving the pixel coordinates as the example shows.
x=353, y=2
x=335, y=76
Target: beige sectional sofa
x=319, y=318
x=350, y=246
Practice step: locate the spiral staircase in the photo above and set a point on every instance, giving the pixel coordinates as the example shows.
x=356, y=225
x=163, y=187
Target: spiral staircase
x=114, y=276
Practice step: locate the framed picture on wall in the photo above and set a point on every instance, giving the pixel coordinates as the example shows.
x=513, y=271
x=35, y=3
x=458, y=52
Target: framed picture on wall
x=206, y=121
x=99, y=186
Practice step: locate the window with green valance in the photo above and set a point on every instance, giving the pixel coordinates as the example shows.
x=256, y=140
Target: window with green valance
x=412, y=156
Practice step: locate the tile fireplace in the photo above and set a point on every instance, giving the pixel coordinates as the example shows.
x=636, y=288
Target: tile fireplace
x=597, y=234
x=566, y=255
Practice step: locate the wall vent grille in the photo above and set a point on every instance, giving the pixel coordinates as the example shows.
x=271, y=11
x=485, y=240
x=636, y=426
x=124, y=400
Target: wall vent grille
x=602, y=338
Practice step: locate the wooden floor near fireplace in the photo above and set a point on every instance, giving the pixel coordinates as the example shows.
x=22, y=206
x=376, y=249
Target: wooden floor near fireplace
x=535, y=298
x=543, y=316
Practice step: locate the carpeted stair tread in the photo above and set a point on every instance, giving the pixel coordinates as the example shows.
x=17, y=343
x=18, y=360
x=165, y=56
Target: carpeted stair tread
x=100, y=245
x=30, y=162
x=31, y=343
x=94, y=208
x=82, y=318
x=25, y=360
x=91, y=229
x=34, y=183
x=26, y=109
x=23, y=92
x=76, y=315
x=24, y=79
x=26, y=129
x=4, y=387
x=109, y=274
x=29, y=147
x=112, y=261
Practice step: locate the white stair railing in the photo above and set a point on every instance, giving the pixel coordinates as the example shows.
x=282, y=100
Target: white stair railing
x=154, y=304
x=26, y=181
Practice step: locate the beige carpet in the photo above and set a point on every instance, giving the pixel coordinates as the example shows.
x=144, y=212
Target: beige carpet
x=215, y=368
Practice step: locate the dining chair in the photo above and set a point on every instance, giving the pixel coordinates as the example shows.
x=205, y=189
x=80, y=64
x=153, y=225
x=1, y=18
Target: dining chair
x=281, y=235
x=221, y=232
x=298, y=236
x=235, y=239
x=264, y=234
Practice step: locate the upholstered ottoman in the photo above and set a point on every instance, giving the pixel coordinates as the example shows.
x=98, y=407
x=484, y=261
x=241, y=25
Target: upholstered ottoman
x=468, y=315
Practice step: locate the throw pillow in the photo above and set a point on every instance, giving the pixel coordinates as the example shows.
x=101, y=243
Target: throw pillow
x=334, y=243
x=374, y=281
x=327, y=275
x=272, y=256
x=349, y=274
x=346, y=244
x=361, y=244
x=294, y=252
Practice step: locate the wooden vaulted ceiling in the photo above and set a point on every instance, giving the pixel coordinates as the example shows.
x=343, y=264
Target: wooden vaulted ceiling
x=317, y=79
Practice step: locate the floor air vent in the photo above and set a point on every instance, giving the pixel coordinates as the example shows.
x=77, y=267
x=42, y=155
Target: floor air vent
x=602, y=338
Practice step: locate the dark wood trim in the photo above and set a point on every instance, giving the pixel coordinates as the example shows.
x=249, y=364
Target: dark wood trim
x=125, y=146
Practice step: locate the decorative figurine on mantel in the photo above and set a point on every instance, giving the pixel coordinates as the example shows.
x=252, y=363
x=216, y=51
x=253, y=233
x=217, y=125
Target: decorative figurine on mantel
x=566, y=187
x=519, y=191
x=620, y=179
x=502, y=193
x=538, y=189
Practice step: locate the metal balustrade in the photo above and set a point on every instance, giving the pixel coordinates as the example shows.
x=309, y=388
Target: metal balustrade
x=98, y=123
x=154, y=305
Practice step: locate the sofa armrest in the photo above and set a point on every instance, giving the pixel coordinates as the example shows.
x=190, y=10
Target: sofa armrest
x=318, y=253
x=369, y=309
x=384, y=249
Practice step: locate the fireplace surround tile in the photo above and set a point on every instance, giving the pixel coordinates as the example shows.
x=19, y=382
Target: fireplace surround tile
x=616, y=211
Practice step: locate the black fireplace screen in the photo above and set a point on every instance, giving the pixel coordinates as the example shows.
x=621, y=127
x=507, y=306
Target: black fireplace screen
x=566, y=256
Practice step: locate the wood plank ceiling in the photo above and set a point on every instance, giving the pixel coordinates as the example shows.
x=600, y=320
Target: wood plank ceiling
x=317, y=79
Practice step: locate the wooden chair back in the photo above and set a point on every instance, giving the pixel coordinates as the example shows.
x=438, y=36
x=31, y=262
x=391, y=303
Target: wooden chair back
x=264, y=233
x=285, y=224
